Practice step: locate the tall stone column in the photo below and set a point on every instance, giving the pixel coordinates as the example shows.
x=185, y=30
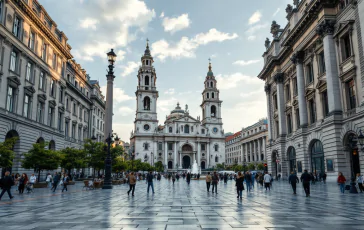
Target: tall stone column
x=259, y=149
x=109, y=105
x=264, y=148
x=198, y=154
x=208, y=155
x=246, y=151
x=326, y=31
x=251, y=151
x=278, y=78
x=269, y=111
x=175, y=160
x=297, y=59
x=180, y=160
x=166, y=154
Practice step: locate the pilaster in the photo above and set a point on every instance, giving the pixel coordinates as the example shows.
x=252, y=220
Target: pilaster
x=278, y=78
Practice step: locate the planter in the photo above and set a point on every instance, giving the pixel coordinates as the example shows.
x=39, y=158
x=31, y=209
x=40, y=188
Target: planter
x=98, y=184
x=40, y=185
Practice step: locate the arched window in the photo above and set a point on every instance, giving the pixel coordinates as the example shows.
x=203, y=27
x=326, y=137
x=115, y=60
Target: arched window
x=207, y=95
x=170, y=129
x=187, y=129
x=146, y=62
x=216, y=147
x=212, y=95
x=146, y=103
x=52, y=145
x=292, y=159
x=146, y=80
x=213, y=111
x=212, y=84
x=216, y=159
x=262, y=157
x=317, y=157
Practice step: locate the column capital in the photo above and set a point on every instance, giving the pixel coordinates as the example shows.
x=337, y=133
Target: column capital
x=267, y=88
x=279, y=77
x=297, y=58
x=326, y=27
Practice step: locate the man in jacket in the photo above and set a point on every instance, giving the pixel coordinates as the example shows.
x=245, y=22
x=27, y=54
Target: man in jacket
x=132, y=182
x=56, y=179
x=215, y=180
x=293, y=180
x=6, y=184
x=208, y=181
x=150, y=181
x=305, y=179
x=267, y=179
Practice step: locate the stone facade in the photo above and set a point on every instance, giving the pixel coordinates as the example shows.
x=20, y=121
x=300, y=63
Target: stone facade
x=46, y=95
x=313, y=72
x=182, y=140
x=248, y=145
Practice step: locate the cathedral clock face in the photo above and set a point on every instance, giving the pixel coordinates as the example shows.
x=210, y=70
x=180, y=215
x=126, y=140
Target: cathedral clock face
x=146, y=127
x=215, y=130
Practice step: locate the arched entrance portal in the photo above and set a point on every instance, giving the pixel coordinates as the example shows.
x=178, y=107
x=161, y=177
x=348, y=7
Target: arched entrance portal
x=15, y=148
x=317, y=157
x=186, y=162
x=170, y=165
x=203, y=165
x=292, y=159
x=351, y=144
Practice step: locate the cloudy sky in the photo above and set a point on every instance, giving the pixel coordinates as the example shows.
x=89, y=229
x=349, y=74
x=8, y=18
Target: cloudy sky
x=183, y=35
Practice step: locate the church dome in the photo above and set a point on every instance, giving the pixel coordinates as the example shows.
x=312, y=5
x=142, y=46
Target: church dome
x=176, y=113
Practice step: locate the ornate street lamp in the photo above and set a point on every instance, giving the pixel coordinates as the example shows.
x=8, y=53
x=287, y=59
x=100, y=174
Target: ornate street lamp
x=108, y=180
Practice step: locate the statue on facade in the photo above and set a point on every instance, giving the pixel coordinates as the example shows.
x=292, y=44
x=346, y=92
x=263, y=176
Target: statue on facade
x=274, y=29
x=267, y=43
x=296, y=3
x=186, y=108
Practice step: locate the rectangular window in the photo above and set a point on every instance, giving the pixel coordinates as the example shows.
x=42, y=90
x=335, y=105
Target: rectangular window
x=170, y=146
x=277, y=129
x=16, y=26
x=160, y=146
x=312, y=106
x=40, y=107
x=74, y=108
x=203, y=131
x=275, y=101
x=288, y=93
x=203, y=147
x=60, y=119
x=26, y=107
x=13, y=61
x=41, y=80
x=289, y=124
x=146, y=146
x=44, y=51
x=93, y=120
x=50, y=116
x=10, y=99
x=73, y=131
x=345, y=47
x=325, y=104
x=66, y=127
x=62, y=70
x=351, y=94
x=79, y=133
x=61, y=94
x=1, y=10
x=31, y=40
x=295, y=87
x=28, y=72
x=309, y=73
x=98, y=124
x=321, y=62
x=80, y=112
x=54, y=62
x=52, y=88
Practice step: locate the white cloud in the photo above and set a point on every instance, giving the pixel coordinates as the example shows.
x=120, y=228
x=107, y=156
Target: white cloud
x=169, y=91
x=251, y=37
x=166, y=105
x=186, y=47
x=245, y=63
x=251, y=94
x=125, y=111
x=254, y=29
x=118, y=94
x=276, y=12
x=162, y=15
x=129, y=68
x=88, y=23
x=255, y=18
x=173, y=25
x=213, y=55
x=232, y=80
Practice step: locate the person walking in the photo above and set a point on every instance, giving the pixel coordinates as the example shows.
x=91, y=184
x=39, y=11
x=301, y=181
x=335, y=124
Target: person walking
x=359, y=180
x=132, y=182
x=248, y=180
x=293, y=180
x=267, y=180
x=188, y=178
x=32, y=179
x=215, y=181
x=341, y=180
x=16, y=181
x=23, y=180
x=56, y=180
x=150, y=181
x=6, y=184
x=173, y=178
x=49, y=180
x=208, y=181
x=324, y=177
x=66, y=180
x=225, y=178
x=239, y=183
x=306, y=179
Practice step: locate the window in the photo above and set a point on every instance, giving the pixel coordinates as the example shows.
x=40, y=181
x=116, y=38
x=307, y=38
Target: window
x=277, y=129
x=203, y=147
x=31, y=40
x=74, y=108
x=187, y=129
x=26, y=108
x=28, y=72
x=73, y=134
x=213, y=111
x=321, y=63
x=10, y=99
x=288, y=93
x=216, y=147
x=289, y=123
x=79, y=133
x=146, y=103
x=351, y=94
x=41, y=81
x=160, y=146
x=54, y=62
x=50, y=116
x=202, y=131
x=40, y=108
x=207, y=95
x=191, y=129
x=309, y=73
x=44, y=51
x=80, y=112
x=16, y=26
x=325, y=103
x=146, y=146
x=345, y=47
x=85, y=115
x=298, y=118
x=62, y=70
x=61, y=90
x=312, y=106
x=93, y=120
x=52, y=88
x=170, y=129
x=295, y=87
x=343, y=4
x=212, y=95
x=275, y=101
x=76, y=84
x=146, y=80
x=211, y=84
x=13, y=61
x=1, y=10
x=170, y=146
x=60, y=119
x=97, y=124
x=216, y=159
x=66, y=127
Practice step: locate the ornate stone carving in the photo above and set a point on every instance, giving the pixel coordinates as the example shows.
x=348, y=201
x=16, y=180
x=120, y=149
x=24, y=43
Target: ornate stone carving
x=327, y=27
x=279, y=78
x=9, y=18
x=297, y=58
x=274, y=29
x=267, y=88
x=296, y=3
x=267, y=43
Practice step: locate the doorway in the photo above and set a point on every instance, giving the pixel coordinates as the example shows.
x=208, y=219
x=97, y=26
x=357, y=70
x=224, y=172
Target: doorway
x=186, y=162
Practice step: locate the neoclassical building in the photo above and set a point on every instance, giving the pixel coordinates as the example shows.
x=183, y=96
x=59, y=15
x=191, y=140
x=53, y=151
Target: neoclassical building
x=314, y=74
x=248, y=145
x=182, y=139
x=46, y=96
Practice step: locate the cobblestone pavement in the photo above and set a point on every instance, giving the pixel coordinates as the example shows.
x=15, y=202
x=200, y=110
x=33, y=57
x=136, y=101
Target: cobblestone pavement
x=184, y=207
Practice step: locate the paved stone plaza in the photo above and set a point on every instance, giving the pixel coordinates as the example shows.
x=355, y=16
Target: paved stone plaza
x=182, y=207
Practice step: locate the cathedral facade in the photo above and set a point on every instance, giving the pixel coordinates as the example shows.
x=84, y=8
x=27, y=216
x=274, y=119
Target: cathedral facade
x=183, y=139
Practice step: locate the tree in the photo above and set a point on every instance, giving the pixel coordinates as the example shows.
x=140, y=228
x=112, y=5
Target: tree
x=96, y=154
x=260, y=166
x=251, y=166
x=39, y=158
x=238, y=168
x=73, y=159
x=245, y=168
x=7, y=153
x=119, y=164
x=117, y=151
x=219, y=166
x=159, y=166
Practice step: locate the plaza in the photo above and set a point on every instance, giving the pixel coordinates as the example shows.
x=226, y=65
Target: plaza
x=184, y=207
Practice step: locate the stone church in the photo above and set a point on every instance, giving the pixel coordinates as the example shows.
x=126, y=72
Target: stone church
x=183, y=139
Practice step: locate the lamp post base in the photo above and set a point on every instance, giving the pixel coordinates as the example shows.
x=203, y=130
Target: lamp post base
x=107, y=186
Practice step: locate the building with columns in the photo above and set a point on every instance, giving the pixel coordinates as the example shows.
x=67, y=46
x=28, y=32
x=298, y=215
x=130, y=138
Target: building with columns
x=248, y=145
x=314, y=75
x=183, y=139
x=46, y=96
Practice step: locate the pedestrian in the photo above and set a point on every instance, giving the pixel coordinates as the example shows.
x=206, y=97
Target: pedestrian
x=225, y=178
x=324, y=177
x=49, y=180
x=267, y=180
x=173, y=178
x=188, y=178
x=306, y=179
x=177, y=177
x=150, y=181
x=293, y=180
x=66, y=180
x=215, y=181
x=248, y=179
x=132, y=182
x=341, y=181
x=23, y=180
x=359, y=180
x=56, y=180
x=261, y=179
x=208, y=181
x=16, y=182
x=32, y=179
x=6, y=184
x=159, y=177
x=239, y=183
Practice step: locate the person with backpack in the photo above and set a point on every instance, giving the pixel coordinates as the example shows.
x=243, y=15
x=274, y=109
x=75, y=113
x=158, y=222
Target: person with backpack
x=341, y=180
x=293, y=180
x=239, y=183
x=66, y=181
x=306, y=179
x=6, y=184
x=215, y=181
x=150, y=178
x=208, y=181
